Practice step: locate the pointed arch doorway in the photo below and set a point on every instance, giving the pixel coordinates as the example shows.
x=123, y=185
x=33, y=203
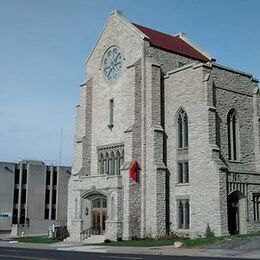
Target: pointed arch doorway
x=236, y=213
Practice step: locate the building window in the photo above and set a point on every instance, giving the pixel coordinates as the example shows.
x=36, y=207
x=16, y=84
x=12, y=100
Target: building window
x=101, y=164
x=183, y=172
x=22, y=218
x=99, y=203
x=107, y=164
x=118, y=165
x=111, y=114
x=180, y=64
x=17, y=176
x=54, y=178
x=23, y=199
x=53, y=213
x=183, y=209
x=46, y=213
x=112, y=164
x=256, y=203
x=15, y=216
x=48, y=177
x=16, y=196
x=182, y=130
x=53, y=197
x=51, y=193
x=110, y=160
x=47, y=196
x=233, y=135
x=24, y=176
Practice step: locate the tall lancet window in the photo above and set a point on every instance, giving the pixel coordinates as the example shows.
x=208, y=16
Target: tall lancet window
x=101, y=164
x=183, y=130
x=233, y=135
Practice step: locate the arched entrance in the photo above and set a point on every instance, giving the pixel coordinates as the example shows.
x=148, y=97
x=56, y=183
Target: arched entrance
x=99, y=216
x=94, y=212
x=236, y=213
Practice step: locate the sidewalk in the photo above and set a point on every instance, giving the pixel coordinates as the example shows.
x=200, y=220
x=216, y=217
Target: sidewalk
x=162, y=250
x=167, y=250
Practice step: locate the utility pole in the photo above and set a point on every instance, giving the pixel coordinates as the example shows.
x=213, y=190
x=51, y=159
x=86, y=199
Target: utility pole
x=60, y=147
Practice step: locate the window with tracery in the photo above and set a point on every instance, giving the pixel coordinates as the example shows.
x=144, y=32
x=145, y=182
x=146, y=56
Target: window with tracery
x=110, y=159
x=183, y=209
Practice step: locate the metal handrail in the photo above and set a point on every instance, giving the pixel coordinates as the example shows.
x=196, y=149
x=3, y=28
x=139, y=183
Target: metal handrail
x=84, y=234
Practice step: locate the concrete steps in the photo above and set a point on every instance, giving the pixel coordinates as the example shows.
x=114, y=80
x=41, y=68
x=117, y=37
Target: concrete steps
x=94, y=239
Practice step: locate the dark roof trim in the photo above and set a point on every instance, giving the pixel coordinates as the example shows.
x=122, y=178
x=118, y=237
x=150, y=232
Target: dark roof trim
x=171, y=43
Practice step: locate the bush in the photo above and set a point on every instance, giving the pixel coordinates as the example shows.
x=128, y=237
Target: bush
x=61, y=233
x=119, y=239
x=107, y=241
x=209, y=233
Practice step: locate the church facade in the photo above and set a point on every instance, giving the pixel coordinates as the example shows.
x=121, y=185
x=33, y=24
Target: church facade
x=166, y=142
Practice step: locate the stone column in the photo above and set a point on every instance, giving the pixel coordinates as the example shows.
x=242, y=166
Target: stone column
x=76, y=221
x=155, y=167
x=114, y=223
x=131, y=205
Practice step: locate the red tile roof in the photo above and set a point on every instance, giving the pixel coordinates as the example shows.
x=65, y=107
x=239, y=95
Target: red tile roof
x=171, y=43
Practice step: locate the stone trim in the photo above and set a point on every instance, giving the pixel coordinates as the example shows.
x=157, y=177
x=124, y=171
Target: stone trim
x=182, y=197
x=178, y=69
x=232, y=70
x=110, y=146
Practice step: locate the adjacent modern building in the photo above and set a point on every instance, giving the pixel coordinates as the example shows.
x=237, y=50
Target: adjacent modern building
x=33, y=196
x=167, y=140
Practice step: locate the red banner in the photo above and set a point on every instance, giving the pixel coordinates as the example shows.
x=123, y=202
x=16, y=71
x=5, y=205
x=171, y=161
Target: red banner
x=134, y=170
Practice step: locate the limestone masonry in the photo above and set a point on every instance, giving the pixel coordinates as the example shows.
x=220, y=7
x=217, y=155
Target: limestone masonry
x=187, y=127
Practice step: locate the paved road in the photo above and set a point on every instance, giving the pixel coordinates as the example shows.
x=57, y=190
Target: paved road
x=39, y=254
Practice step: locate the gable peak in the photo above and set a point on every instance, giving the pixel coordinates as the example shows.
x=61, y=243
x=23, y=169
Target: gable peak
x=116, y=12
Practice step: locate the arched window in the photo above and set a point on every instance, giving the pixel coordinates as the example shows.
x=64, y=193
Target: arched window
x=121, y=161
x=107, y=164
x=101, y=163
x=112, y=170
x=118, y=163
x=182, y=130
x=110, y=159
x=183, y=207
x=233, y=135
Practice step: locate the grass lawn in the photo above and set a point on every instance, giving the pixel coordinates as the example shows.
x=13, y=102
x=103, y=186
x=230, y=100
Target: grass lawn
x=187, y=243
x=200, y=242
x=39, y=240
x=140, y=243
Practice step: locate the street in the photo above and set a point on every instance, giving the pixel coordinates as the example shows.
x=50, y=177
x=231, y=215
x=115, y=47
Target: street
x=40, y=254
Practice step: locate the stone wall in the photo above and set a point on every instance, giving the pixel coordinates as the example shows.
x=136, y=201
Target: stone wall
x=184, y=89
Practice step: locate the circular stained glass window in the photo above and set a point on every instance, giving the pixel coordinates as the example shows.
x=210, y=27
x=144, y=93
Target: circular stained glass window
x=112, y=63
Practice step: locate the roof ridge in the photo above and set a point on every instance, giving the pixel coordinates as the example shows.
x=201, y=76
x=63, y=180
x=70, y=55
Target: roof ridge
x=135, y=24
x=173, y=44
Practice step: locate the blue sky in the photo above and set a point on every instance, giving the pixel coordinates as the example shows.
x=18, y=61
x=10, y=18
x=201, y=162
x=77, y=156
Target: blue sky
x=44, y=45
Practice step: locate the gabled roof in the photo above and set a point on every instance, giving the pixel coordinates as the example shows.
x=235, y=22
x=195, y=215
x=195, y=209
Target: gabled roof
x=172, y=43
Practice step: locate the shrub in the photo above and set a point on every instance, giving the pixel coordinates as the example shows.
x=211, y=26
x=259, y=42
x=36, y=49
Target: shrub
x=107, y=241
x=61, y=233
x=209, y=233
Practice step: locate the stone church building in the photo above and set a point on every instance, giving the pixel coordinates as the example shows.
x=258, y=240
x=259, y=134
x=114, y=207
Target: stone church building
x=167, y=140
